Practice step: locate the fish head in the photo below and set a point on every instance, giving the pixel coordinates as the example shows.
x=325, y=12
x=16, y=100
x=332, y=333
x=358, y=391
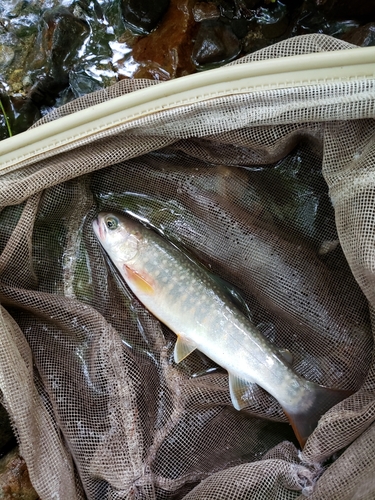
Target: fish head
x=119, y=236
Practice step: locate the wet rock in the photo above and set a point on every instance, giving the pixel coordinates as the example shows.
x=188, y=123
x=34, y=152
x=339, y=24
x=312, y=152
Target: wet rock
x=143, y=15
x=240, y=27
x=202, y=11
x=7, y=439
x=215, y=43
x=20, y=113
x=81, y=84
x=56, y=51
x=347, y=9
x=273, y=19
x=14, y=478
x=6, y=55
x=249, y=4
x=169, y=47
x=47, y=88
x=152, y=71
x=311, y=19
x=254, y=40
x=63, y=35
x=363, y=36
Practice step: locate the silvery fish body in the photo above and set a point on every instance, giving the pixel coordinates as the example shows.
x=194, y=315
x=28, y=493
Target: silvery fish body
x=186, y=299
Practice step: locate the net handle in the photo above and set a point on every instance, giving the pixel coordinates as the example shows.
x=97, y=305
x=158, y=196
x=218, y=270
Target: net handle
x=51, y=138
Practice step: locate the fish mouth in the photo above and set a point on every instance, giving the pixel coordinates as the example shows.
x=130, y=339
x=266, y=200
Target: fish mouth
x=98, y=229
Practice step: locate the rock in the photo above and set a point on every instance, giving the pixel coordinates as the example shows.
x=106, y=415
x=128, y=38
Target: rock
x=215, y=43
x=21, y=113
x=240, y=27
x=170, y=46
x=203, y=11
x=6, y=55
x=151, y=71
x=62, y=37
x=7, y=439
x=311, y=19
x=47, y=88
x=347, y=9
x=14, y=478
x=143, y=15
x=81, y=84
x=254, y=40
x=273, y=19
x=249, y=4
x=363, y=36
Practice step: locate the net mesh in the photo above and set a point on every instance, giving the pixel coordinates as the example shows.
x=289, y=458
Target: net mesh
x=274, y=192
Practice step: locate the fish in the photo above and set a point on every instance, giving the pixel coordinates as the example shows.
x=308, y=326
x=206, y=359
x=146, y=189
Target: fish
x=182, y=295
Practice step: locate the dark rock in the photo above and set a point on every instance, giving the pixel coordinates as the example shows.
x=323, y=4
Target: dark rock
x=143, y=15
x=363, y=36
x=203, y=11
x=63, y=35
x=7, y=438
x=81, y=84
x=255, y=39
x=273, y=19
x=56, y=53
x=228, y=9
x=45, y=90
x=347, y=9
x=21, y=113
x=166, y=52
x=215, y=43
x=240, y=27
x=249, y=4
x=314, y=20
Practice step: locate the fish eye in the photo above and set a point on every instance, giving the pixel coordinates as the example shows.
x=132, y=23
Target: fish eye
x=112, y=223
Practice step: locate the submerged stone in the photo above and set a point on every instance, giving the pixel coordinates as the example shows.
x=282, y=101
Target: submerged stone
x=62, y=37
x=347, y=9
x=215, y=43
x=143, y=15
x=363, y=36
x=7, y=438
x=169, y=47
x=205, y=10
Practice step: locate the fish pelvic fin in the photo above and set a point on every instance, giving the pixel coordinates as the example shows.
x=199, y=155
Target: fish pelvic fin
x=182, y=349
x=142, y=283
x=322, y=399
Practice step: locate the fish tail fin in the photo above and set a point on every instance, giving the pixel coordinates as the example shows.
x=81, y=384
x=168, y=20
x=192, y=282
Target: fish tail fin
x=321, y=400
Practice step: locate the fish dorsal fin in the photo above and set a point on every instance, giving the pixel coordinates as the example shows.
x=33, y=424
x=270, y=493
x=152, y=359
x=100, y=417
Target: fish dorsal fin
x=182, y=349
x=141, y=282
x=238, y=388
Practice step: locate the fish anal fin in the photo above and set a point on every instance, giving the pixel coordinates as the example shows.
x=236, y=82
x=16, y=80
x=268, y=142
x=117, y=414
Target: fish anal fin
x=182, y=349
x=286, y=355
x=238, y=388
x=142, y=282
x=322, y=399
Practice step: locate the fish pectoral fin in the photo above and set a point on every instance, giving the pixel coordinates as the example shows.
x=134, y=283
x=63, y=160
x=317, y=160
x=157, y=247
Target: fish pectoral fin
x=142, y=282
x=182, y=349
x=238, y=388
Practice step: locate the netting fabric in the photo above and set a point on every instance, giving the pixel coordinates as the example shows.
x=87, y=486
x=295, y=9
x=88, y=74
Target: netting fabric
x=273, y=191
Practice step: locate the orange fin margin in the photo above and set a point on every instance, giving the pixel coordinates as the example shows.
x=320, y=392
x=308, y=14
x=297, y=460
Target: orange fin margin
x=144, y=284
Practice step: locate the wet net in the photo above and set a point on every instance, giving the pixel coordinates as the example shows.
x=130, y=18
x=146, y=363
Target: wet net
x=273, y=191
